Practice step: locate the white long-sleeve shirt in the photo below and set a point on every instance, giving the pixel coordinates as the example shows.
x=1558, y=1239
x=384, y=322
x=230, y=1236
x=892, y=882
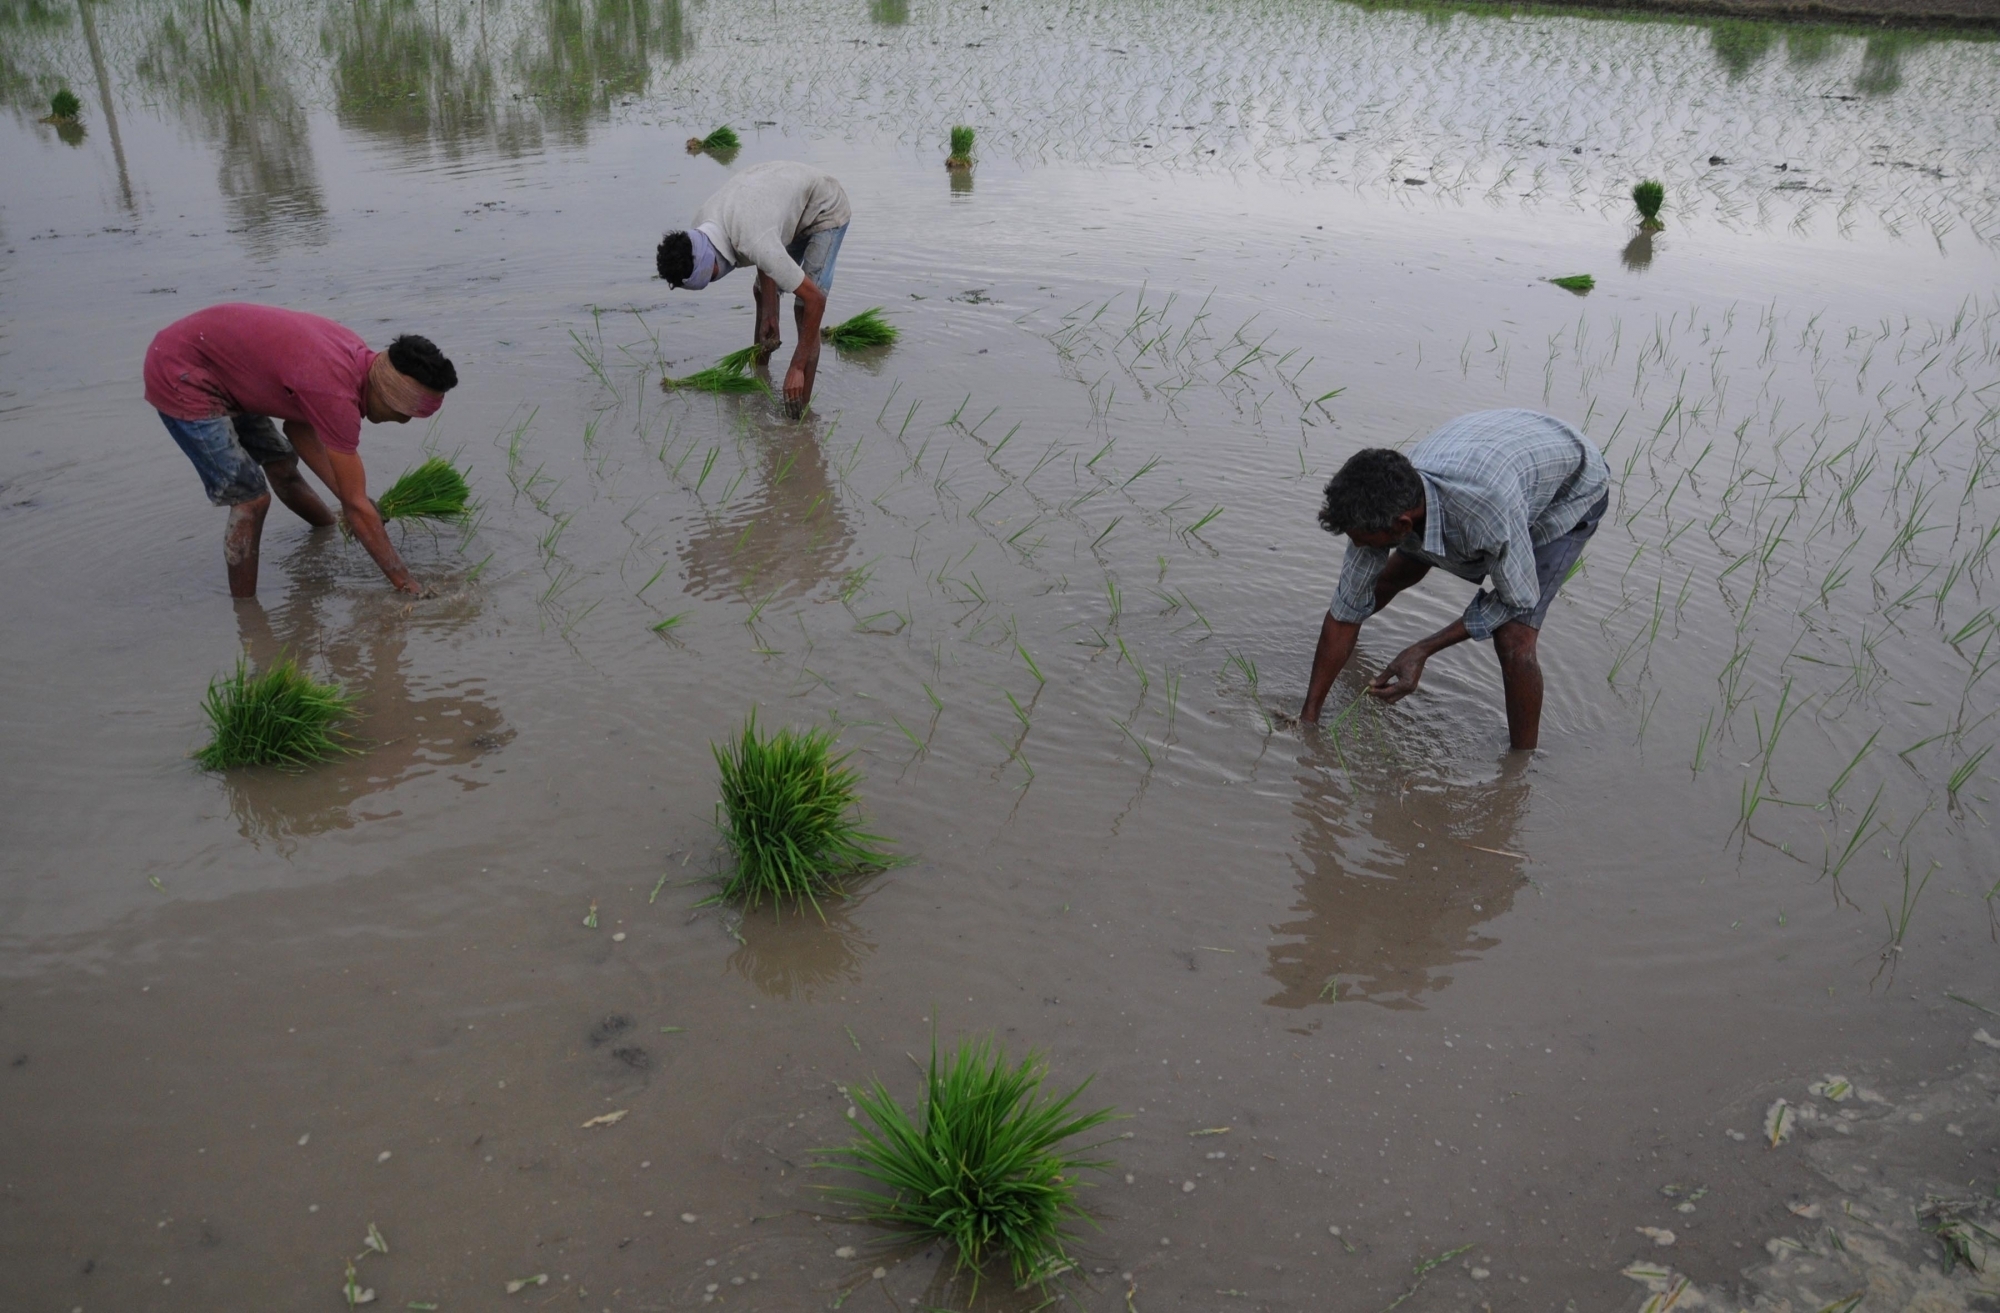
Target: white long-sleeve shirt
x=754, y=216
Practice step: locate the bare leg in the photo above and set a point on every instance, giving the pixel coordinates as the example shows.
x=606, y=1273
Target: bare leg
x=1521, y=676
x=296, y=493
x=239, y=544
x=766, y=295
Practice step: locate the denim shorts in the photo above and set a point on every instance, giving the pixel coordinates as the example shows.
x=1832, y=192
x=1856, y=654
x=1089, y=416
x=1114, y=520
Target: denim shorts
x=1555, y=558
x=816, y=254
x=229, y=453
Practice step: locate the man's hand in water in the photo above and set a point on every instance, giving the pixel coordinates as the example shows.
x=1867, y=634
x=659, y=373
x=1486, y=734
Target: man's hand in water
x=798, y=388
x=1400, y=677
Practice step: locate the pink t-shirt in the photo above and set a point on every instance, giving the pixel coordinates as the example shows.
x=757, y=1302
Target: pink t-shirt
x=259, y=360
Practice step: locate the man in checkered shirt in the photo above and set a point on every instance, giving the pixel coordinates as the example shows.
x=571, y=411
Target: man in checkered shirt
x=1507, y=496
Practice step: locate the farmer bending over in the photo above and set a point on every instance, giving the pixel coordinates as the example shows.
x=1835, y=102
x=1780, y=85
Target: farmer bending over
x=1510, y=495
x=786, y=218
x=220, y=376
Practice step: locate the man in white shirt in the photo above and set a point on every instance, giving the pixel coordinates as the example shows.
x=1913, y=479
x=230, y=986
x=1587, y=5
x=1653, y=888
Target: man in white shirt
x=786, y=218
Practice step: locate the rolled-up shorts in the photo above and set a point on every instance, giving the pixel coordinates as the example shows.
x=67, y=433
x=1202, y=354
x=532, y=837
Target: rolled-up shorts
x=1555, y=558
x=817, y=253
x=230, y=452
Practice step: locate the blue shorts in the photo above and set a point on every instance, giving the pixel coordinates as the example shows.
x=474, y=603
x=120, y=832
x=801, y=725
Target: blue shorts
x=230, y=452
x=1555, y=558
x=816, y=254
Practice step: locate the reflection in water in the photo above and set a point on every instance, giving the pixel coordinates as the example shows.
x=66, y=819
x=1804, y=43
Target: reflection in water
x=1394, y=883
x=105, y=101
x=579, y=58
x=791, y=536
x=1806, y=46
x=788, y=955
x=889, y=13
x=224, y=67
x=396, y=75
x=1638, y=253
x=961, y=181
x=1739, y=44
x=1882, y=63
x=400, y=736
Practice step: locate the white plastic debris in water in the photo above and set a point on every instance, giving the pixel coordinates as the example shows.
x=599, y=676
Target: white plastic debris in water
x=1981, y=1037
x=1659, y=1235
x=1837, y=1088
x=1778, y=1120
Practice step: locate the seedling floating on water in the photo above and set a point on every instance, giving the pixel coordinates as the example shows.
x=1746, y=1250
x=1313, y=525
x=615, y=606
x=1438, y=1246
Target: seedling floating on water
x=980, y=1165
x=1648, y=196
x=722, y=141
x=1578, y=283
x=789, y=817
x=961, y=148
x=867, y=329
x=434, y=490
x=282, y=717
x=64, y=107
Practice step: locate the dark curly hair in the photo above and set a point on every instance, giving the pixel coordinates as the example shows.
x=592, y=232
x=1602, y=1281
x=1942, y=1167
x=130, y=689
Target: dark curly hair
x=675, y=258
x=1374, y=487
x=419, y=358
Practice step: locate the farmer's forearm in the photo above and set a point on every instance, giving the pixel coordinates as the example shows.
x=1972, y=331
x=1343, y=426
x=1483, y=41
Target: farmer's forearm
x=1450, y=636
x=1336, y=645
x=366, y=524
x=812, y=309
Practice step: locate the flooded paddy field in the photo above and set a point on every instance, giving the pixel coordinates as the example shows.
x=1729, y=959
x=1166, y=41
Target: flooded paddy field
x=1370, y=997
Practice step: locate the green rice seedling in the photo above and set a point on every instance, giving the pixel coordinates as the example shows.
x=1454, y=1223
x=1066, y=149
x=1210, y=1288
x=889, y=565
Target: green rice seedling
x=280, y=717
x=722, y=141
x=788, y=814
x=867, y=329
x=1648, y=196
x=1966, y=770
x=64, y=107
x=1578, y=283
x=961, y=148
x=981, y=1164
x=728, y=375
x=737, y=362
x=435, y=490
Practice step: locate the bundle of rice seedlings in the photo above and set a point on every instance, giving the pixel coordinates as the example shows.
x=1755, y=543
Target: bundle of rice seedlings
x=738, y=361
x=789, y=816
x=1578, y=283
x=281, y=717
x=434, y=490
x=721, y=140
x=1648, y=196
x=979, y=1165
x=866, y=329
x=64, y=107
x=729, y=374
x=961, y=148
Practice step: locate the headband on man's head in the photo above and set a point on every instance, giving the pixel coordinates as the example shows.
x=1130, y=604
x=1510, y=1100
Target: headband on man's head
x=704, y=261
x=400, y=392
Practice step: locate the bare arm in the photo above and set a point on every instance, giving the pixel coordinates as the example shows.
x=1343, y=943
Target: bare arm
x=1336, y=645
x=1399, y=678
x=805, y=356
x=343, y=472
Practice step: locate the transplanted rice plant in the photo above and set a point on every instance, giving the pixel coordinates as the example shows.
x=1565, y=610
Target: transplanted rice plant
x=866, y=329
x=1649, y=196
x=961, y=148
x=435, y=490
x=790, y=817
x=721, y=141
x=980, y=1165
x=64, y=106
x=281, y=717
x=1578, y=283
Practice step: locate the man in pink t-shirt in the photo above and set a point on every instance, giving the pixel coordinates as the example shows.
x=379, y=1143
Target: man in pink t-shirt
x=221, y=376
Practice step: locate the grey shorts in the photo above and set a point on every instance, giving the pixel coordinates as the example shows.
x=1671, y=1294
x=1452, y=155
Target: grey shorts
x=1555, y=558
x=230, y=452
x=817, y=253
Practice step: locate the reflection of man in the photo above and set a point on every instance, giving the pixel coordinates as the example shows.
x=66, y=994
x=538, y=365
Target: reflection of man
x=786, y=218
x=1510, y=495
x=221, y=375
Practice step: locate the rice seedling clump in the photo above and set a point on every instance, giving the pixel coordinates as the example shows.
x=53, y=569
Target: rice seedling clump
x=729, y=374
x=867, y=329
x=1649, y=196
x=981, y=1165
x=961, y=148
x=434, y=490
x=738, y=361
x=720, y=141
x=280, y=717
x=1578, y=283
x=790, y=817
x=64, y=106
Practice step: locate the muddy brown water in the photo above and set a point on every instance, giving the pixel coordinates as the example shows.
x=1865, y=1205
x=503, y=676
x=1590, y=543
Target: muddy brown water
x=1437, y=997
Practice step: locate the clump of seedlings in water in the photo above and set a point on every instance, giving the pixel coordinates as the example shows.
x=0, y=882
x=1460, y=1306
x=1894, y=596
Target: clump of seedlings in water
x=961, y=148
x=1649, y=196
x=722, y=141
x=1578, y=283
x=435, y=491
x=64, y=107
x=729, y=374
x=981, y=1164
x=790, y=817
x=280, y=717
x=867, y=329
